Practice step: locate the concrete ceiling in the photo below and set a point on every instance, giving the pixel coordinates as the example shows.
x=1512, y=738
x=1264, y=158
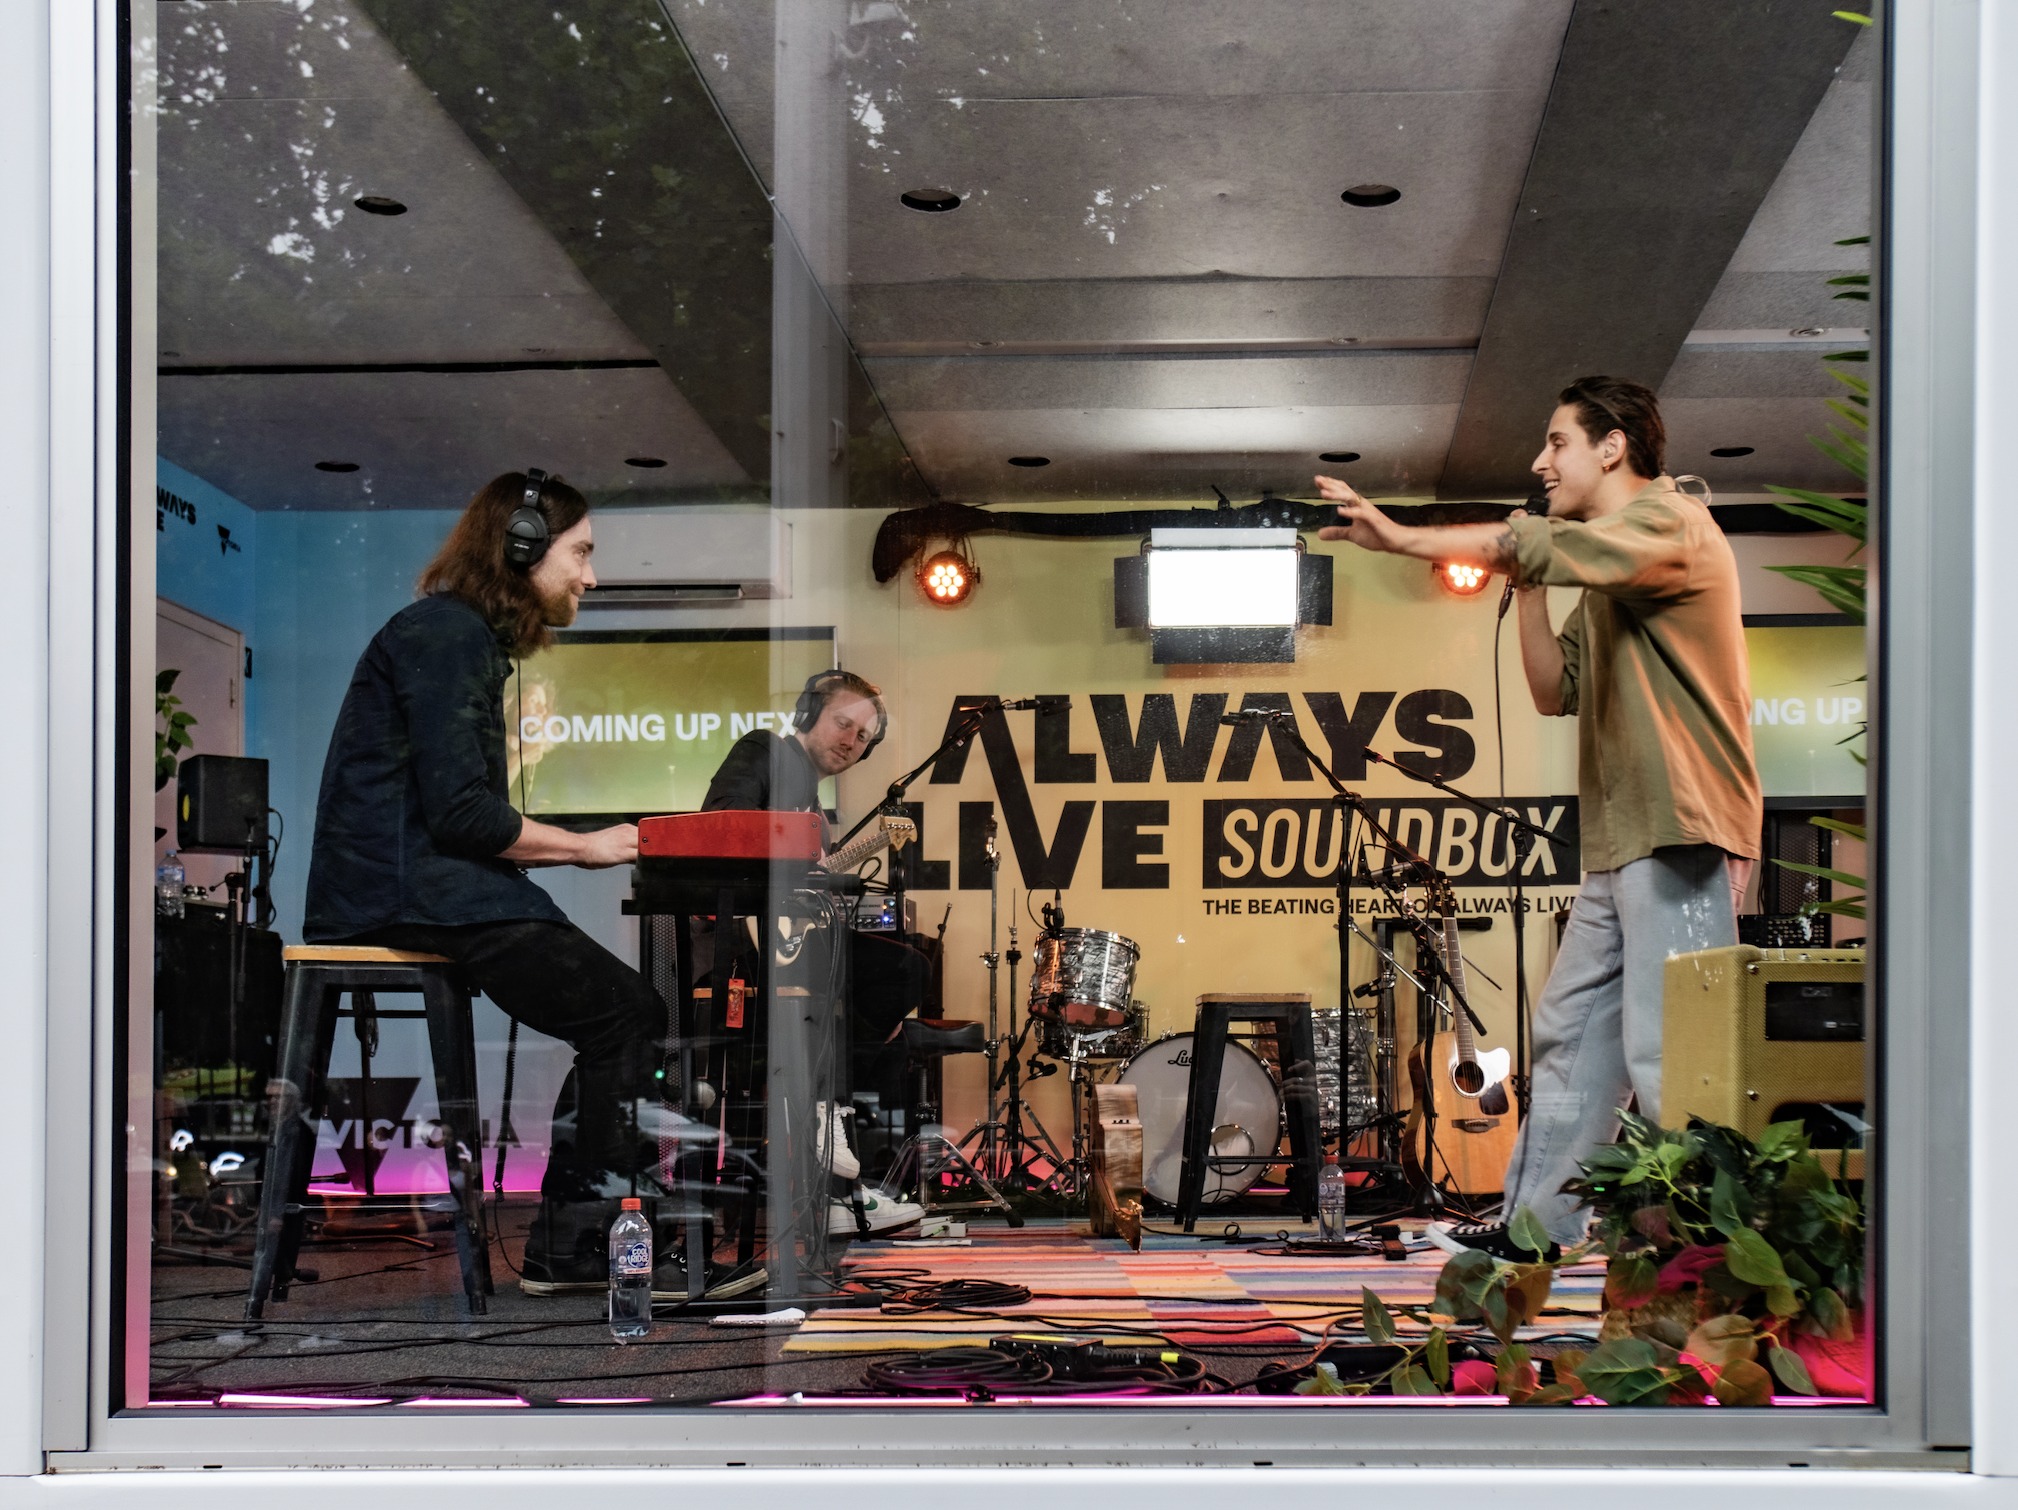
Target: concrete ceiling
x=1151, y=279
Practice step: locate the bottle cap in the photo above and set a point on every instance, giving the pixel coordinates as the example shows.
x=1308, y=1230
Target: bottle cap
x=1331, y=1158
x=632, y=1203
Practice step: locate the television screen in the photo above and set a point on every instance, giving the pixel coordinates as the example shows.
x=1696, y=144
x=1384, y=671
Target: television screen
x=611, y=723
x=1809, y=701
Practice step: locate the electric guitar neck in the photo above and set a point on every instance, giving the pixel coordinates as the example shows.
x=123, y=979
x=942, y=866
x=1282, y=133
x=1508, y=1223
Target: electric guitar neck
x=890, y=831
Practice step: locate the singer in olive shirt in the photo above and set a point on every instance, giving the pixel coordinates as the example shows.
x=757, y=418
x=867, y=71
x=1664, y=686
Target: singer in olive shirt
x=1654, y=670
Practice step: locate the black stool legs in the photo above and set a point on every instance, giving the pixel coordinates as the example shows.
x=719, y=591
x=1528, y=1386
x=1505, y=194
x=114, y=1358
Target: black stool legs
x=308, y=1034
x=1290, y=1022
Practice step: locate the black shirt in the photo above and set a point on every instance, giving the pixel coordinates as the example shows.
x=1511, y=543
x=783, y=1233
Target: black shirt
x=765, y=772
x=413, y=816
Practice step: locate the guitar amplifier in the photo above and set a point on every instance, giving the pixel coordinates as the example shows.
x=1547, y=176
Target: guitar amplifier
x=1754, y=1036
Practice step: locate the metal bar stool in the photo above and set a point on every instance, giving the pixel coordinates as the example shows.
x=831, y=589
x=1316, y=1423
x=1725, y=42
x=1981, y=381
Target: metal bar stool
x=318, y=977
x=1287, y=1016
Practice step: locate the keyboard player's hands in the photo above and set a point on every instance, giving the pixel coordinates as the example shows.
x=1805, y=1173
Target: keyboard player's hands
x=609, y=847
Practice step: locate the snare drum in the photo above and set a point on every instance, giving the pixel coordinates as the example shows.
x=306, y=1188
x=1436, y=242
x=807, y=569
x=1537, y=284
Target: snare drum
x=1083, y=978
x=1057, y=1041
x=1249, y=1119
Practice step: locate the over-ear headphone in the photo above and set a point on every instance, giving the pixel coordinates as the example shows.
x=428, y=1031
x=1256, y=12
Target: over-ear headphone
x=813, y=697
x=526, y=533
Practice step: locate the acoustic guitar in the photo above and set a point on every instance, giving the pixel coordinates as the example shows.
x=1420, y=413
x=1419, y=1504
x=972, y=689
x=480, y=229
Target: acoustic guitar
x=1475, y=1125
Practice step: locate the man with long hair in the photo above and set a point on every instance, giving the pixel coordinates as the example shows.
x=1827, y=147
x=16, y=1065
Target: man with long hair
x=417, y=845
x=1651, y=663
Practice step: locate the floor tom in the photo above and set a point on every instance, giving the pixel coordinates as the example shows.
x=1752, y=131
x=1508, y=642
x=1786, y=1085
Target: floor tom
x=1248, y=1119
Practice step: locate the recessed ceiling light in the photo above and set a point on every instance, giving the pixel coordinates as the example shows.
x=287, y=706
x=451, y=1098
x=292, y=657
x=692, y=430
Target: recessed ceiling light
x=1731, y=450
x=378, y=204
x=1371, y=196
x=644, y=461
x=1807, y=330
x=336, y=466
x=1345, y=340
x=931, y=201
x=1029, y=461
x=1338, y=456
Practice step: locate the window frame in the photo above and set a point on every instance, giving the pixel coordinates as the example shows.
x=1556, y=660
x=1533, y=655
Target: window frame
x=1925, y=271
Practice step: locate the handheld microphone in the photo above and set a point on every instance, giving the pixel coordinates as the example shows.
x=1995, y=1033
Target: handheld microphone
x=1251, y=716
x=1015, y=702
x=1537, y=507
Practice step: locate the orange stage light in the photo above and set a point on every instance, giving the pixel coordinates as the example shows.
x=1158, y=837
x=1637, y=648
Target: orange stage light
x=1460, y=578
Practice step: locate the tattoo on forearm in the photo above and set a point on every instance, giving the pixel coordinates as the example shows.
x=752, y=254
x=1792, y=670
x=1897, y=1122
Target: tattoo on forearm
x=1504, y=551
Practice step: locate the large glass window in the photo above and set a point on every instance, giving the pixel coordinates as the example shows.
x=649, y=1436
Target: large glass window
x=778, y=775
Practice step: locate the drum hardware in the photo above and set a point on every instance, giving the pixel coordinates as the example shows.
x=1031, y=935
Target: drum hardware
x=1248, y=1126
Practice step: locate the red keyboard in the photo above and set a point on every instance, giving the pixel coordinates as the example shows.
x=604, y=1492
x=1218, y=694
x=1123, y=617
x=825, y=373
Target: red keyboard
x=778, y=838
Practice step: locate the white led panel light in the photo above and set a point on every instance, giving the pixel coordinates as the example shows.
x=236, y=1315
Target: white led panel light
x=1241, y=588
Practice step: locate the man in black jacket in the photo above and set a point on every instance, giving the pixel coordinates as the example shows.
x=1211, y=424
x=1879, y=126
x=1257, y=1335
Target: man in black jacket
x=417, y=845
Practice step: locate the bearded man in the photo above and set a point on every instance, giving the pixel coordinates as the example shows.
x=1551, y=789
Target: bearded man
x=418, y=847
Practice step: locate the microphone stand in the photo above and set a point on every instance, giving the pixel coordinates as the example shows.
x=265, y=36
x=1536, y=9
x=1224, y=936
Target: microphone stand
x=1518, y=828
x=1429, y=1197
x=968, y=725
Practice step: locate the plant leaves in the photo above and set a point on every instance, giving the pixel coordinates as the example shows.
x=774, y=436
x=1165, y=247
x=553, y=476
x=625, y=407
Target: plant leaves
x=1436, y=1357
x=1566, y=1364
x=1842, y=877
x=1374, y=1317
x=1722, y=1340
x=1323, y=1380
x=1751, y=1258
x=1792, y=1371
x=1513, y=1373
x=1783, y=1300
x=1462, y=1283
x=1841, y=587
x=1527, y=1288
x=1627, y=1371
x=1410, y=1380
x=1552, y=1394
x=1727, y=1215
x=1744, y=1383
x=1856, y=831
x=1527, y=1232
x=1831, y=1316
x=1631, y=1280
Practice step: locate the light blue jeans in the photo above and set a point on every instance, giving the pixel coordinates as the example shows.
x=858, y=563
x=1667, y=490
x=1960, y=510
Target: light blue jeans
x=1597, y=1027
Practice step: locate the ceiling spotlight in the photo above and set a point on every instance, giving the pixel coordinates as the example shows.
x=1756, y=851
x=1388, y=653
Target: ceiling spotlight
x=644, y=461
x=1730, y=450
x=336, y=466
x=949, y=577
x=1460, y=578
x=1338, y=456
x=1371, y=196
x=1029, y=461
x=931, y=201
x=378, y=204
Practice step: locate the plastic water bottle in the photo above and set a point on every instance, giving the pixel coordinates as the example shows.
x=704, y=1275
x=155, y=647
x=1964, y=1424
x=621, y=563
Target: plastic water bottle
x=1331, y=1201
x=630, y=1273
x=168, y=879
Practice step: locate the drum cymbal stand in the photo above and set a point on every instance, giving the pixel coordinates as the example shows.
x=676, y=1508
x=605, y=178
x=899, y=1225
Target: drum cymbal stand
x=987, y=1135
x=1019, y=1149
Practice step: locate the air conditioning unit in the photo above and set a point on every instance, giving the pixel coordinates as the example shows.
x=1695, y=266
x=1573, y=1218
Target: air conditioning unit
x=689, y=557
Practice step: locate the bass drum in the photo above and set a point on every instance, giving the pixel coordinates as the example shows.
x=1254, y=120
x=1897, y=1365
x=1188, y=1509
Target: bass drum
x=1248, y=1119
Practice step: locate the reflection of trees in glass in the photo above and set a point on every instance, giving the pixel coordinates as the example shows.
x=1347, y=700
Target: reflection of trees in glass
x=189, y=65
x=595, y=116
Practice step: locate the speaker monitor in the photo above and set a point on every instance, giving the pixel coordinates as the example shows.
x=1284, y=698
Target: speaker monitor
x=1754, y=1036
x=220, y=805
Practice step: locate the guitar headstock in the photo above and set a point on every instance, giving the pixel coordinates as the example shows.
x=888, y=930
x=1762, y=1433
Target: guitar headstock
x=1439, y=894
x=899, y=831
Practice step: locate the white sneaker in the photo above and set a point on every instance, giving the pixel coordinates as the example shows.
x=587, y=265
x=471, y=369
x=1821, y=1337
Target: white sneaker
x=831, y=1139
x=882, y=1212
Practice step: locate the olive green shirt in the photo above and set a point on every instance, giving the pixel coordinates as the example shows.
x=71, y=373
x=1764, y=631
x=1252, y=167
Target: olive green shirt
x=1654, y=668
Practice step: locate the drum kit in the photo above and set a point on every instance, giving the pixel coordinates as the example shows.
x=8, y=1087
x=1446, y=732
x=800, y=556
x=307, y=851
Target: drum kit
x=1087, y=1020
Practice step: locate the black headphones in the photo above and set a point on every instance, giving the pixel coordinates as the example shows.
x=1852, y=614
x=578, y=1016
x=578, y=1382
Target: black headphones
x=813, y=697
x=526, y=533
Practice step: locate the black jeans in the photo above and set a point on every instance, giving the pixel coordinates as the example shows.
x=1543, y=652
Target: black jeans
x=557, y=980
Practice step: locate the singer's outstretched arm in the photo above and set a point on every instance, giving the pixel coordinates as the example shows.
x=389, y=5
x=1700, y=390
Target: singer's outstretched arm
x=1487, y=545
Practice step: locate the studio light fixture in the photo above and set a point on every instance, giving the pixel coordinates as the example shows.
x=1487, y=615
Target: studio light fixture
x=1460, y=578
x=378, y=204
x=1222, y=595
x=1731, y=450
x=1371, y=196
x=930, y=201
x=948, y=578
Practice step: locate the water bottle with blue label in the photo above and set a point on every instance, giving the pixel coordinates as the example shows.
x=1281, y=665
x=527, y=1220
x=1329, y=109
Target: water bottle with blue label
x=630, y=1272
x=169, y=878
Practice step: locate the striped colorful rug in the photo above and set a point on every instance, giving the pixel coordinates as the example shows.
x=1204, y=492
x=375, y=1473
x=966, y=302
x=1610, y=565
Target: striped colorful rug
x=1190, y=1292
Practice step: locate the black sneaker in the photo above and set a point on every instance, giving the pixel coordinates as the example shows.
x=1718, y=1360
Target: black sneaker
x=575, y=1274
x=1486, y=1237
